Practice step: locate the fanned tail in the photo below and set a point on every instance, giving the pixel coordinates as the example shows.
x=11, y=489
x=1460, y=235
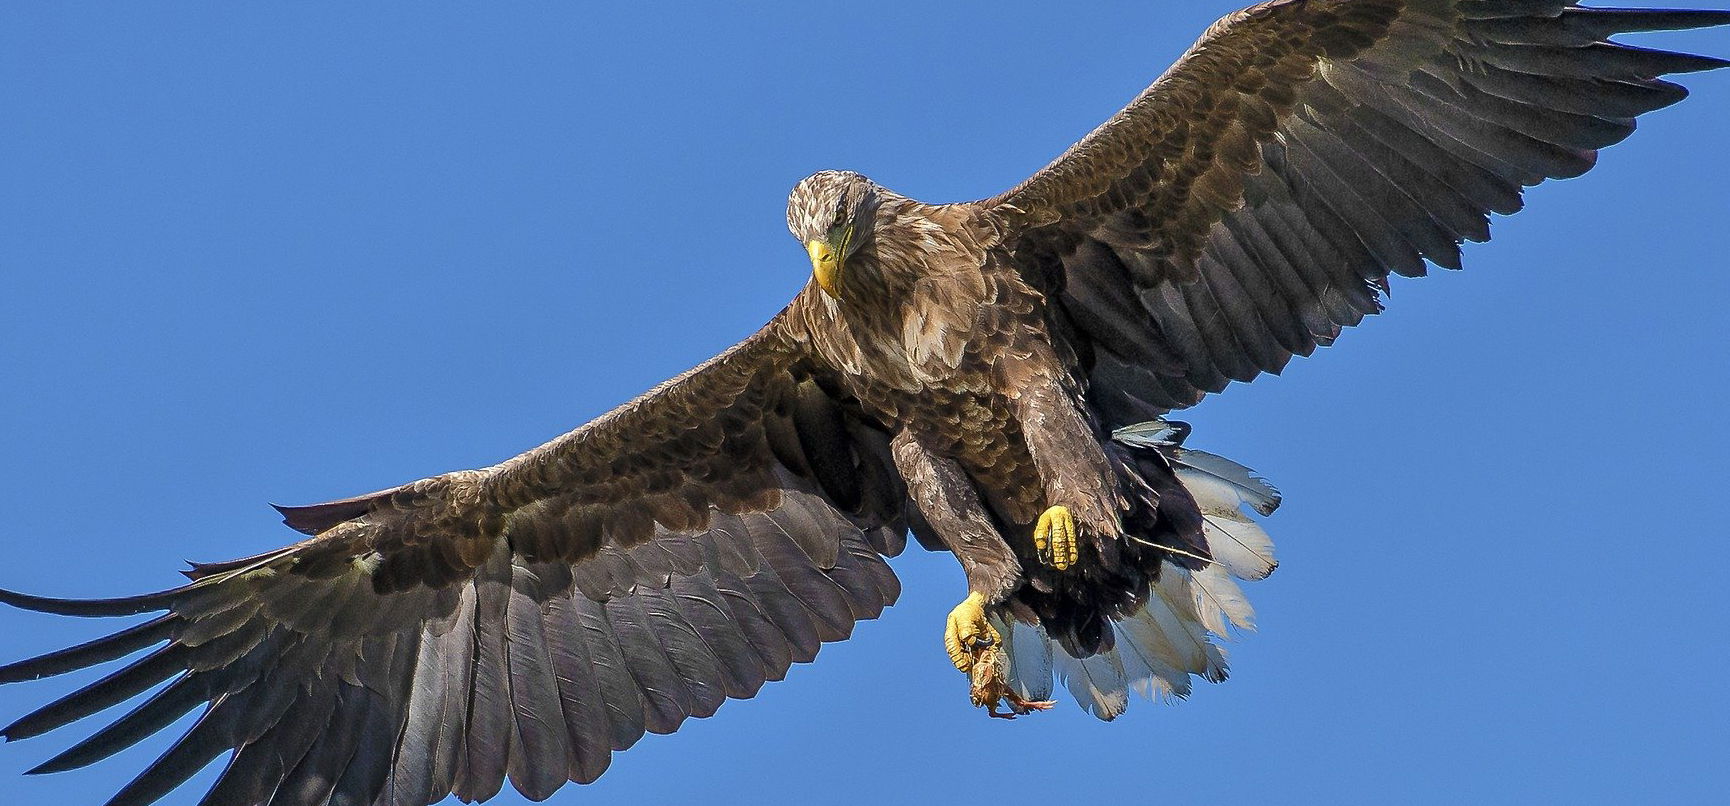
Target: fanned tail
x=1171, y=638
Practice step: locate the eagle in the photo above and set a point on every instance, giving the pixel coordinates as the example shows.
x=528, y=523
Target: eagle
x=993, y=377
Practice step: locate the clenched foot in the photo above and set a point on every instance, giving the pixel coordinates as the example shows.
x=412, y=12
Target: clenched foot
x=1055, y=538
x=968, y=633
x=977, y=650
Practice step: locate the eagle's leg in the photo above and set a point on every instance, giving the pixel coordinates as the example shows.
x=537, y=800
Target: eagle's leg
x=1080, y=487
x=950, y=504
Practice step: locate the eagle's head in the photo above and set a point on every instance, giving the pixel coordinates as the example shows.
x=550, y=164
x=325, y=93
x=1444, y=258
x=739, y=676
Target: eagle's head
x=832, y=213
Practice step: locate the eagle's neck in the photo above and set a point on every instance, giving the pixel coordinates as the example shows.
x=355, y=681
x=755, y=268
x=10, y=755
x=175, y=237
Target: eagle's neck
x=911, y=243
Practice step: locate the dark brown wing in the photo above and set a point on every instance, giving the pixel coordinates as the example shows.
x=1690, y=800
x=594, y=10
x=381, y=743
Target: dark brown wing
x=1254, y=199
x=522, y=621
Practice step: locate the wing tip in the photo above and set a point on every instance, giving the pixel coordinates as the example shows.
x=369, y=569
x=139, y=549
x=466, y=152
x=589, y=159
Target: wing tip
x=49, y=768
x=1646, y=20
x=124, y=606
x=1699, y=63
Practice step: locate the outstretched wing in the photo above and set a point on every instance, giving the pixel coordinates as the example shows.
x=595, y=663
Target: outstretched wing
x=1252, y=202
x=523, y=621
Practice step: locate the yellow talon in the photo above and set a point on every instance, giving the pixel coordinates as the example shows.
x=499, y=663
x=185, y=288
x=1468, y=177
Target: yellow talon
x=968, y=633
x=1055, y=538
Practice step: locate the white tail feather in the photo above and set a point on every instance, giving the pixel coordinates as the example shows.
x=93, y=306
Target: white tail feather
x=1153, y=674
x=1220, y=601
x=1242, y=546
x=1252, y=489
x=1098, y=682
x=1176, y=613
x=1234, y=540
x=1030, y=652
x=1152, y=434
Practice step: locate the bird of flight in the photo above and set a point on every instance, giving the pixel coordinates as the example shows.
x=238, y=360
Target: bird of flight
x=991, y=376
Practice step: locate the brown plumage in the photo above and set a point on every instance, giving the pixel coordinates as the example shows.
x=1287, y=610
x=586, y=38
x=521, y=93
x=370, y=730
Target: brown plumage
x=954, y=370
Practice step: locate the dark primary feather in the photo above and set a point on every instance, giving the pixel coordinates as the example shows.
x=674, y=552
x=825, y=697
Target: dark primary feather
x=1252, y=202
x=515, y=624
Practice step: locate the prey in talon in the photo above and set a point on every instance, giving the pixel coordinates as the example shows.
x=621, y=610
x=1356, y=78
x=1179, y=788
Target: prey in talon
x=989, y=681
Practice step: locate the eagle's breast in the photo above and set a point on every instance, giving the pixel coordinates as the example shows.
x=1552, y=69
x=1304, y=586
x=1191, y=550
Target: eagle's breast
x=943, y=346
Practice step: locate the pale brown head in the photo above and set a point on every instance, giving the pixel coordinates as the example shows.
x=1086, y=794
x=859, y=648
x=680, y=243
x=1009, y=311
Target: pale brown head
x=832, y=214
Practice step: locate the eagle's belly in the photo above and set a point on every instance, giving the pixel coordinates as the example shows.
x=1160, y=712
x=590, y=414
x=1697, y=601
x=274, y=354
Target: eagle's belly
x=981, y=433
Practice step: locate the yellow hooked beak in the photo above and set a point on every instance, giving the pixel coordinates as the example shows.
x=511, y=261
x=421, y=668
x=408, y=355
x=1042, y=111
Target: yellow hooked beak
x=826, y=258
x=825, y=265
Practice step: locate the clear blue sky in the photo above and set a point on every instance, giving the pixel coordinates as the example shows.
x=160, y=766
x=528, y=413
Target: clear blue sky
x=270, y=254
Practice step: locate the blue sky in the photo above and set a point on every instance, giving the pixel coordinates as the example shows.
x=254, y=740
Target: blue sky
x=266, y=253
